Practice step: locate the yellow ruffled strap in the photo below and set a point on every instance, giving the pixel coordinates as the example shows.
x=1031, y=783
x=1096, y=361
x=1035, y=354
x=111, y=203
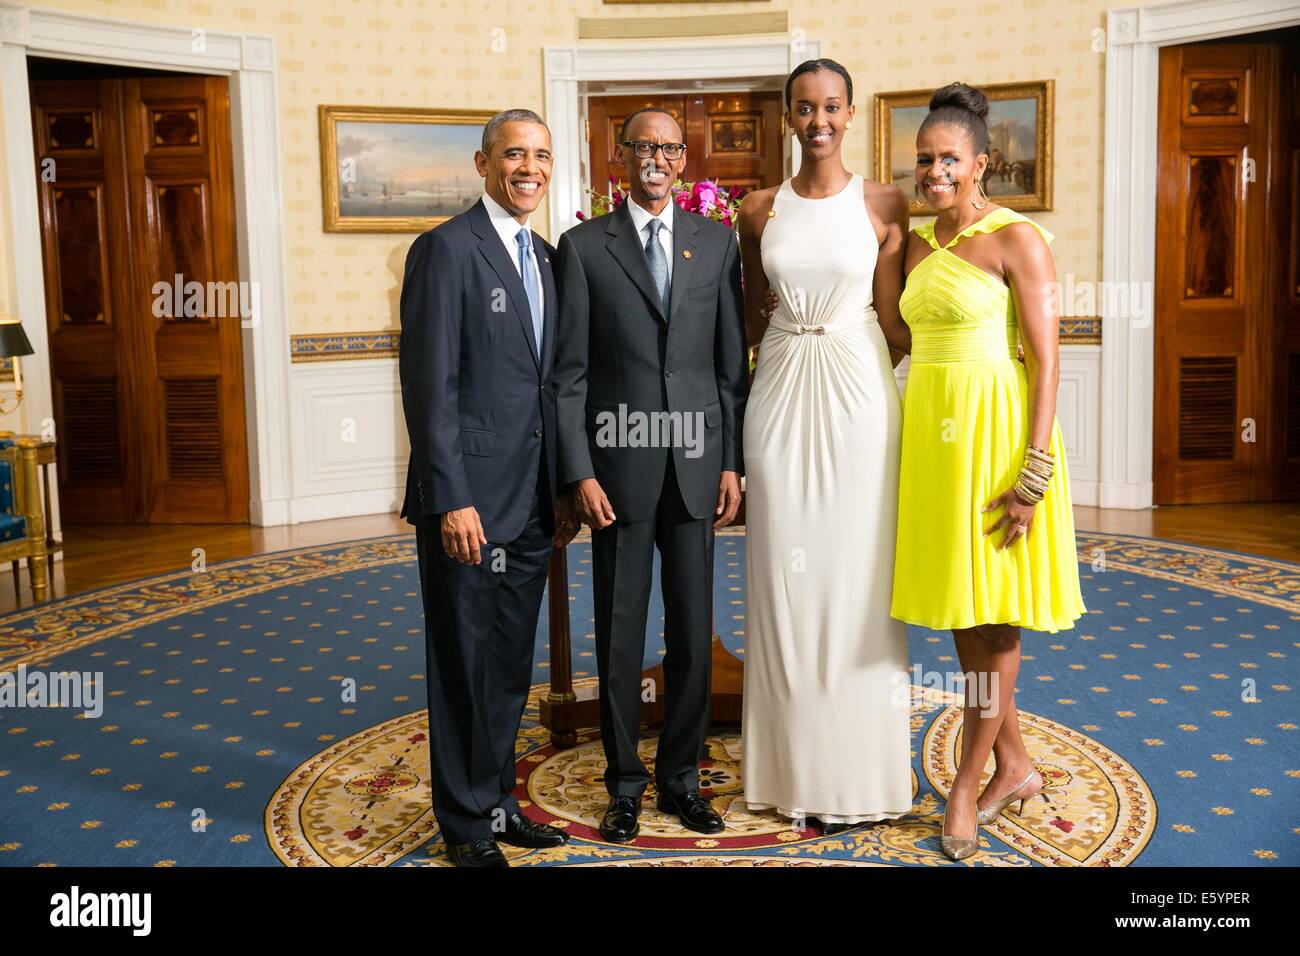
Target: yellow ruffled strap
x=991, y=223
x=926, y=232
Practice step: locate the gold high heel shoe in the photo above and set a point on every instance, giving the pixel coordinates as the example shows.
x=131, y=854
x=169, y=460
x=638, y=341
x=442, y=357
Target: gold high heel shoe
x=988, y=815
x=958, y=848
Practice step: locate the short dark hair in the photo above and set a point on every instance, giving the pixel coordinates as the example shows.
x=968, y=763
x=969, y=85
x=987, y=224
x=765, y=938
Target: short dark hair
x=493, y=128
x=815, y=66
x=960, y=105
x=622, y=130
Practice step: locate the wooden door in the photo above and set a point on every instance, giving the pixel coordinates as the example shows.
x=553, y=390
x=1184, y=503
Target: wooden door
x=1286, y=158
x=1222, y=249
x=733, y=139
x=136, y=190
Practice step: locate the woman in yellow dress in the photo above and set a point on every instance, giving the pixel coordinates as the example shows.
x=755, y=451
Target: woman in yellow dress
x=985, y=541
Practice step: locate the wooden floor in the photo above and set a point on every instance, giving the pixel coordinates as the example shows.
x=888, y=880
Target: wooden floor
x=99, y=555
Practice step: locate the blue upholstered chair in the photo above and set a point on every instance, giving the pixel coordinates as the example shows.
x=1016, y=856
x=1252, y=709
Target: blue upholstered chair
x=22, y=518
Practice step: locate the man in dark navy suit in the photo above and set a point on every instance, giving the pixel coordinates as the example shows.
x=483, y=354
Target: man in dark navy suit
x=477, y=346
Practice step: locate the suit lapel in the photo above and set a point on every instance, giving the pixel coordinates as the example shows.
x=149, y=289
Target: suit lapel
x=625, y=247
x=685, y=255
x=494, y=250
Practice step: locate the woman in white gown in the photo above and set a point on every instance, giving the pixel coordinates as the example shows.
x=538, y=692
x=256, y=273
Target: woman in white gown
x=825, y=733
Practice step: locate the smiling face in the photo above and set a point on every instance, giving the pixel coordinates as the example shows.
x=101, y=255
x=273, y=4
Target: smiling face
x=819, y=108
x=519, y=169
x=947, y=167
x=652, y=178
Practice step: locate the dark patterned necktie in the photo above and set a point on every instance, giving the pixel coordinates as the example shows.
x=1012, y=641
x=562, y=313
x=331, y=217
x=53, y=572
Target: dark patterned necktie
x=654, y=255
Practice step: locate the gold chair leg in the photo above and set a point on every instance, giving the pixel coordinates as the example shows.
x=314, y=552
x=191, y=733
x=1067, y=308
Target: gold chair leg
x=35, y=519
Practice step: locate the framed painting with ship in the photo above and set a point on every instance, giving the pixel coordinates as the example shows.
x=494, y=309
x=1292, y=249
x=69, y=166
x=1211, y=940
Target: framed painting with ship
x=397, y=170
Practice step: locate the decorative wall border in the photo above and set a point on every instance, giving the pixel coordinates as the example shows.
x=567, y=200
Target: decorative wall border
x=340, y=346
x=336, y=346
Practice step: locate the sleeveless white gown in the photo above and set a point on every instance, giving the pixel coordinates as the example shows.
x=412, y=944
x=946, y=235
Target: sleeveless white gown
x=826, y=702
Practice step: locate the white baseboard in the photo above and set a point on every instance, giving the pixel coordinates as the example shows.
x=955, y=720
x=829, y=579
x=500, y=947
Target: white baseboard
x=1131, y=496
x=347, y=504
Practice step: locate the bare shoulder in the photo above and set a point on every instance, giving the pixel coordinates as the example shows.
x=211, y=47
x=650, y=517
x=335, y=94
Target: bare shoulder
x=1021, y=241
x=755, y=205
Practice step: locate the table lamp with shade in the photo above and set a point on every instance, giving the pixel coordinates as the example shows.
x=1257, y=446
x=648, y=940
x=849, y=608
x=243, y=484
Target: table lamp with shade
x=13, y=343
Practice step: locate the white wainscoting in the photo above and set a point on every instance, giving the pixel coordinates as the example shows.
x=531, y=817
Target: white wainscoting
x=350, y=448
x=1078, y=409
x=349, y=439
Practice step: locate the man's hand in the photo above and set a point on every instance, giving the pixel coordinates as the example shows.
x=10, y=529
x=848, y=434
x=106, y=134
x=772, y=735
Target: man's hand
x=593, y=507
x=566, y=520
x=728, y=499
x=462, y=533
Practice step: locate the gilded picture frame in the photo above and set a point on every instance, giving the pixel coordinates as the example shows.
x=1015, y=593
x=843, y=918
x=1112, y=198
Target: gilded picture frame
x=1020, y=120
x=397, y=169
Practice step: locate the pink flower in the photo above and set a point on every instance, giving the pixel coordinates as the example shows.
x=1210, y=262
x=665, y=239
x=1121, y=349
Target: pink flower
x=704, y=195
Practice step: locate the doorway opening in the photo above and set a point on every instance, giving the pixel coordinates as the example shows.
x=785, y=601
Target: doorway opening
x=144, y=305
x=732, y=129
x=1227, y=271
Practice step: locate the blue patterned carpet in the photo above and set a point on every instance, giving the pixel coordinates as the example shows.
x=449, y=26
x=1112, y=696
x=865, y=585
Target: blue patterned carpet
x=1165, y=724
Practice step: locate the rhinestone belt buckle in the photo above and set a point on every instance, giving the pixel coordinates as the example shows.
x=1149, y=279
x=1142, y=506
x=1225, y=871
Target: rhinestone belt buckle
x=811, y=330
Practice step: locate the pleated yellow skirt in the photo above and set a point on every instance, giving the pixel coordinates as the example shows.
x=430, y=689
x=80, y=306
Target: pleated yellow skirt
x=965, y=427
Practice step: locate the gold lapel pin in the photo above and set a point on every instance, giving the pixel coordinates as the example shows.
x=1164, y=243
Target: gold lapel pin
x=686, y=253
x=771, y=213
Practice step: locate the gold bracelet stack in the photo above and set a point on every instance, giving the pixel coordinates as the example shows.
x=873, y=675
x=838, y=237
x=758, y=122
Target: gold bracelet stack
x=1035, y=475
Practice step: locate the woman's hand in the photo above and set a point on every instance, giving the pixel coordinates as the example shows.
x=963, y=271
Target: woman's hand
x=770, y=302
x=1017, y=516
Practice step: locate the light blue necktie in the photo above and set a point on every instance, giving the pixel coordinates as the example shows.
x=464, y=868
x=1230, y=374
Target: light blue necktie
x=658, y=262
x=528, y=271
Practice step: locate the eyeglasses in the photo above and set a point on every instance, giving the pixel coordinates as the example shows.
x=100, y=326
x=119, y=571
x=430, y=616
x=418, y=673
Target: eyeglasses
x=644, y=149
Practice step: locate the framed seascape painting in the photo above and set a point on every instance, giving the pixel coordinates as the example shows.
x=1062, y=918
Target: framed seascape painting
x=397, y=170
x=1019, y=174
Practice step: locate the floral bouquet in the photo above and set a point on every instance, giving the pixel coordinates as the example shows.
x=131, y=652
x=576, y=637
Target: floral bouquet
x=703, y=197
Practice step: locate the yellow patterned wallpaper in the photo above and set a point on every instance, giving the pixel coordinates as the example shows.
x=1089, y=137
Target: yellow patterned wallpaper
x=433, y=53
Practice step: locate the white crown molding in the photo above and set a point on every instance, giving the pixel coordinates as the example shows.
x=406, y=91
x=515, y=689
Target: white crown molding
x=1206, y=19
x=15, y=24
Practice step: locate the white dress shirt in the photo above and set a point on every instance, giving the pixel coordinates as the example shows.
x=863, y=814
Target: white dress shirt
x=641, y=219
x=507, y=226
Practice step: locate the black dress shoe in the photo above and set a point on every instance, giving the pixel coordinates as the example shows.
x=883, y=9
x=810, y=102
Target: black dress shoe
x=830, y=829
x=476, y=853
x=619, y=824
x=696, y=812
x=521, y=831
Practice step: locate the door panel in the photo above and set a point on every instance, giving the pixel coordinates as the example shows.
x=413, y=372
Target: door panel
x=1221, y=393
x=180, y=181
x=733, y=139
x=79, y=149
x=141, y=280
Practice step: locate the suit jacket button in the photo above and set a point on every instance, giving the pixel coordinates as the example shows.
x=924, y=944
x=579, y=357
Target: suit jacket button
x=538, y=433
